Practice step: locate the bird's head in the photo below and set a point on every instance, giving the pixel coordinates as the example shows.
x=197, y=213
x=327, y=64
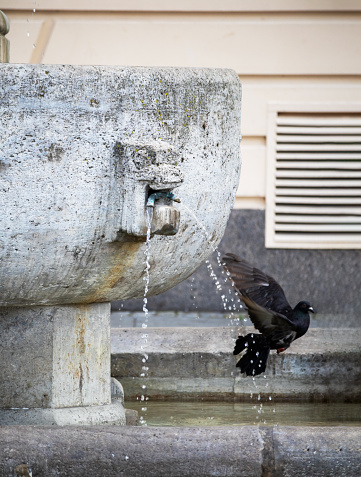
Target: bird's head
x=305, y=307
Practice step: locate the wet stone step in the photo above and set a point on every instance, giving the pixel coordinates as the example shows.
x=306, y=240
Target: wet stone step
x=197, y=363
x=243, y=451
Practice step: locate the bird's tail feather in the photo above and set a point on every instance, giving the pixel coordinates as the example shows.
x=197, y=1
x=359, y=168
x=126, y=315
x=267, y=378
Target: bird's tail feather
x=254, y=360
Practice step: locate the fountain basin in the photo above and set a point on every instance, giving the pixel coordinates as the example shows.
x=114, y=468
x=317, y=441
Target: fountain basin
x=197, y=363
x=82, y=148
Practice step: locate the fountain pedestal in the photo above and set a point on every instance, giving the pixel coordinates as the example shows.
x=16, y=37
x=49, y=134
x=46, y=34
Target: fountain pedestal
x=56, y=366
x=82, y=151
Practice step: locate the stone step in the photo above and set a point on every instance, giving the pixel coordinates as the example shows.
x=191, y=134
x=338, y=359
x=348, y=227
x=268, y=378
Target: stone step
x=241, y=451
x=197, y=363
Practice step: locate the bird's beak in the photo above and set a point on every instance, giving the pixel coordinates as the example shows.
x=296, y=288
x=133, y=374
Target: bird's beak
x=311, y=309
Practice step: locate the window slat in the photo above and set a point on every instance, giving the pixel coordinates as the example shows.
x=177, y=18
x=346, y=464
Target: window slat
x=332, y=228
x=315, y=209
x=346, y=193
x=323, y=184
x=319, y=156
x=318, y=147
x=318, y=174
x=300, y=240
x=319, y=200
x=329, y=139
x=314, y=120
x=317, y=130
x=318, y=219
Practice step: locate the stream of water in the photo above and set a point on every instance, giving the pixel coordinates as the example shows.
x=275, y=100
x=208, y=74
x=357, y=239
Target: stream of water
x=143, y=397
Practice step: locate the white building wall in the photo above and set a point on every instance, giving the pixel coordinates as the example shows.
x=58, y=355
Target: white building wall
x=296, y=51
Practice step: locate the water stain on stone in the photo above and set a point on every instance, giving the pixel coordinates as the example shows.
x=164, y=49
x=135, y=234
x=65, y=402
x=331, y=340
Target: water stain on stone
x=23, y=470
x=3, y=165
x=55, y=153
x=94, y=103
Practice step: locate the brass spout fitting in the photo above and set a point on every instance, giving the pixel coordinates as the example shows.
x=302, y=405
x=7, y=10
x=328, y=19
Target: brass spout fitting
x=160, y=195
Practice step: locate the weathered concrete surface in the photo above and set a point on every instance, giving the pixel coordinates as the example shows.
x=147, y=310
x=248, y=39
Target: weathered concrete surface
x=198, y=363
x=112, y=414
x=49, y=352
x=132, y=451
x=248, y=451
x=316, y=451
x=82, y=147
x=55, y=366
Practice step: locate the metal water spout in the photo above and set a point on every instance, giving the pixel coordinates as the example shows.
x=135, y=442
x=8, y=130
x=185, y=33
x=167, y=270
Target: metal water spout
x=165, y=218
x=151, y=171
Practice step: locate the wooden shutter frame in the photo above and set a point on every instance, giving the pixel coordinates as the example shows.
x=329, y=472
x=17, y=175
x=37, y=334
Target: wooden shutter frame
x=345, y=237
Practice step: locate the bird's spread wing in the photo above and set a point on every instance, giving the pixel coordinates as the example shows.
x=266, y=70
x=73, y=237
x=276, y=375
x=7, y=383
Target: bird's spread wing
x=275, y=326
x=256, y=285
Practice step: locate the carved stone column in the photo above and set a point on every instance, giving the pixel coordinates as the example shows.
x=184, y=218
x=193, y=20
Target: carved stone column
x=4, y=43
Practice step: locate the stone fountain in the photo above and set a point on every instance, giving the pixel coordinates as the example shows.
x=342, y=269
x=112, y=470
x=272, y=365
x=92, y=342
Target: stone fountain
x=82, y=150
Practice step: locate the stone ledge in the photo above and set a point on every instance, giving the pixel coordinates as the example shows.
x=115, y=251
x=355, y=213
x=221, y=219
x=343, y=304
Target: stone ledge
x=159, y=451
x=198, y=362
x=107, y=414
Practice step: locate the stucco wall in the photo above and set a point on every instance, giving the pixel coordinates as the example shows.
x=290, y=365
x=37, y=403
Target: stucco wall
x=289, y=51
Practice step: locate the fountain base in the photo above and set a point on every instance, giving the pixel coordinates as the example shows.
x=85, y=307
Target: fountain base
x=108, y=414
x=56, y=366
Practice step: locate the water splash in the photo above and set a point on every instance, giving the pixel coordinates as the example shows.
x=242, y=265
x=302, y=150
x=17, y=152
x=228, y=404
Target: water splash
x=28, y=21
x=201, y=225
x=231, y=304
x=230, y=300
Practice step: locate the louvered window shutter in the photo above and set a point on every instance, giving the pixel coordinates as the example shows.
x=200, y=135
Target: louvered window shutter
x=313, y=180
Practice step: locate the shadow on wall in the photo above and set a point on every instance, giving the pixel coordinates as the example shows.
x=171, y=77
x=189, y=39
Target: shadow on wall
x=329, y=279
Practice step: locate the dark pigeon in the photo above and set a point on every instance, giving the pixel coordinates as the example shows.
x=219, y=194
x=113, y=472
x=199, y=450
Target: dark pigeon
x=270, y=313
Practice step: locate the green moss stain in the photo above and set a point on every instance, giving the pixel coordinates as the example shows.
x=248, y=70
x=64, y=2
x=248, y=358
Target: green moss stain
x=94, y=103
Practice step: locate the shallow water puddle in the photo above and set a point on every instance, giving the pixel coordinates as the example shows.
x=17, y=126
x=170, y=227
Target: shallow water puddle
x=189, y=414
